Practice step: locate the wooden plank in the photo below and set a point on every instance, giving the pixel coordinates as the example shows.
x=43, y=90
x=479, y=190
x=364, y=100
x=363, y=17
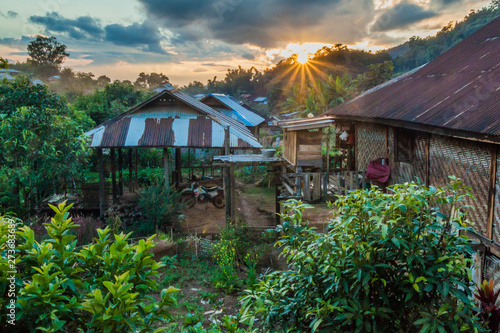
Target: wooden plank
x=113, y=176
x=339, y=191
x=316, y=191
x=102, y=194
x=166, y=171
x=311, y=163
x=298, y=181
x=136, y=183
x=226, y=180
x=309, y=156
x=491, y=192
x=277, y=195
x=307, y=187
x=310, y=148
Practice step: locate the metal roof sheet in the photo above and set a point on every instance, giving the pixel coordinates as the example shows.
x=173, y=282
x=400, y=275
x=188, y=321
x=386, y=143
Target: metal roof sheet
x=245, y=116
x=459, y=90
x=171, y=119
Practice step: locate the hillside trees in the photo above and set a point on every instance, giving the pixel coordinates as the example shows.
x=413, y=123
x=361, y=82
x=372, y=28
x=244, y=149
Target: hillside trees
x=42, y=144
x=150, y=81
x=106, y=103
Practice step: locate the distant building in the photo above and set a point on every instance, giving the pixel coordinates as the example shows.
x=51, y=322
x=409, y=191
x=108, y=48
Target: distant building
x=10, y=74
x=235, y=110
x=261, y=100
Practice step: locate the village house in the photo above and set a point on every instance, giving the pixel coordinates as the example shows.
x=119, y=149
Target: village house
x=438, y=120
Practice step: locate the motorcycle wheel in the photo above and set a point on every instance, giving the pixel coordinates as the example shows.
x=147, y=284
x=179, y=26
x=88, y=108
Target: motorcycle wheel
x=188, y=199
x=218, y=201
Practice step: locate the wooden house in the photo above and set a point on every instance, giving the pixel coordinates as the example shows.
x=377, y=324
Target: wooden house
x=438, y=120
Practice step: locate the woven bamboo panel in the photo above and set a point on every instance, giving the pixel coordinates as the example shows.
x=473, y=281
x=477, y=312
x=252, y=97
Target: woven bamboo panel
x=469, y=161
x=496, y=217
x=370, y=144
x=407, y=172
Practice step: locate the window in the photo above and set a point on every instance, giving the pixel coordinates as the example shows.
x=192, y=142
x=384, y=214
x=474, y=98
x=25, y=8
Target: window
x=404, y=146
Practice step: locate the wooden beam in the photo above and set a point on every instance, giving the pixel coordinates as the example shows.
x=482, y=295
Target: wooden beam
x=102, y=189
x=136, y=183
x=130, y=171
x=491, y=192
x=232, y=190
x=277, y=195
x=165, y=169
x=427, y=166
x=178, y=167
x=120, y=172
x=113, y=176
x=225, y=177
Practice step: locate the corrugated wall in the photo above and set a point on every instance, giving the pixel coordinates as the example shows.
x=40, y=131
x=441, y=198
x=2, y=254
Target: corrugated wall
x=370, y=144
x=496, y=224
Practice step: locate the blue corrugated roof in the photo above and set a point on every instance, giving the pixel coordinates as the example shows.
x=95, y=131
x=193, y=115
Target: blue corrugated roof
x=242, y=114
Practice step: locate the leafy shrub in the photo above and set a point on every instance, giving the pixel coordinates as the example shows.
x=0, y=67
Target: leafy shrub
x=388, y=263
x=224, y=254
x=490, y=311
x=159, y=205
x=106, y=286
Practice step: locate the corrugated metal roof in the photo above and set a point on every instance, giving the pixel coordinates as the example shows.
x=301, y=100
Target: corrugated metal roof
x=308, y=123
x=459, y=90
x=242, y=114
x=171, y=119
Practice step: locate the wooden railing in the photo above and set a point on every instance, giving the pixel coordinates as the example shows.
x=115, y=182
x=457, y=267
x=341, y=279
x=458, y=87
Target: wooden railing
x=315, y=186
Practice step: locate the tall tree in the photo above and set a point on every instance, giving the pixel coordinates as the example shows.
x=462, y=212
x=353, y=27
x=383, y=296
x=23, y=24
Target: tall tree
x=151, y=81
x=46, y=55
x=3, y=63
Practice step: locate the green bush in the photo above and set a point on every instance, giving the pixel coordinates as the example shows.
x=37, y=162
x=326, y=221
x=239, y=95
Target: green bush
x=106, y=286
x=388, y=263
x=159, y=205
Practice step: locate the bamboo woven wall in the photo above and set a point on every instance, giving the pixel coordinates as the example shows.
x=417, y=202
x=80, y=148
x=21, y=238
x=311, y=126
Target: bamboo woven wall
x=370, y=144
x=468, y=161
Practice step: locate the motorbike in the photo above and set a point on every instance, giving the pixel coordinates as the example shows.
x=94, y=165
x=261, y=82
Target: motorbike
x=198, y=193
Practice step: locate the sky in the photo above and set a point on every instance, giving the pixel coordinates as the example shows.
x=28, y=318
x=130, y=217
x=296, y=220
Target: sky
x=198, y=39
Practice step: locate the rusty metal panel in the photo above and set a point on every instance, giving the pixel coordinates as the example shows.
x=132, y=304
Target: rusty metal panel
x=458, y=90
x=115, y=134
x=158, y=133
x=200, y=132
x=468, y=161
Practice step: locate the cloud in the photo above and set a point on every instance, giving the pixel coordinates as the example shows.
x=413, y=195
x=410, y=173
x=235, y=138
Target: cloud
x=248, y=56
x=9, y=15
x=401, y=15
x=263, y=23
x=200, y=70
x=83, y=27
x=144, y=35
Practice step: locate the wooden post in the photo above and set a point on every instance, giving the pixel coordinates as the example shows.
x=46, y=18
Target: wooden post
x=316, y=180
x=113, y=176
x=165, y=169
x=307, y=189
x=225, y=177
x=120, y=172
x=136, y=185
x=102, y=190
x=189, y=165
x=328, y=150
x=178, y=167
x=427, y=166
x=277, y=193
x=232, y=190
x=130, y=171
x=491, y=192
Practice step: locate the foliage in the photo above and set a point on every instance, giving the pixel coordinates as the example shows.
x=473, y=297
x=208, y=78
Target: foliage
x=3, y=63
x=418, y=51
x=388, y=263
x=115, y=98
x=490, y=311
x=103, y=287
x=376, y=74
x=150, y=81
x=42, y=141
x=224, y=254
x=46, y=55
x=159, y=205
x=251, y=263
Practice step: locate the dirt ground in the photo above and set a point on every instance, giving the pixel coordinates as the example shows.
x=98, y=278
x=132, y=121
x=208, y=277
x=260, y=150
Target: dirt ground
x=255, y=207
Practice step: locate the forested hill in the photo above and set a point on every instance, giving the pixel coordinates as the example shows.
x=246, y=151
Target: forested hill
x=418, y=51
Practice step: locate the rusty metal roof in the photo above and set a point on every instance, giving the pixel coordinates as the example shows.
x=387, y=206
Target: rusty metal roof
x=459, y=90
x=171, y=119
